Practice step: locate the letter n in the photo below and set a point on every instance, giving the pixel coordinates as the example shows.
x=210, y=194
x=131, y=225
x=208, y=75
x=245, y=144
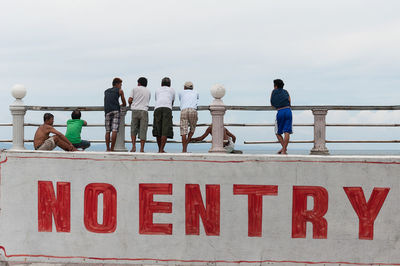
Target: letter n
x=49, y=206
x=210, y=214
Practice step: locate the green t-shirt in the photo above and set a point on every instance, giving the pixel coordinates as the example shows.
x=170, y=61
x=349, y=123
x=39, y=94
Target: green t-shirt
x=74, y=128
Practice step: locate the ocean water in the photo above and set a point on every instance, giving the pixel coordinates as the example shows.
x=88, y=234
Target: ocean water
x=247, y=149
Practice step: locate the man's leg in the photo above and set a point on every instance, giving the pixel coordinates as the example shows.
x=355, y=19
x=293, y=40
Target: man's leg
x=62, y=144
x=162, y=145
x=190, y=135
x=133, y=138
x=142, y=142
x=280, y=139
x=184, y=143
x=143, y=125
x=108, y=141
x=85, y=144
x=159, y=143
x=113, y=139
x=285, y=143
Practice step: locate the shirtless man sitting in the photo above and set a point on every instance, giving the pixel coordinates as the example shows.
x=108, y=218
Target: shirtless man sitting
x=229, y=139
x=43, y=142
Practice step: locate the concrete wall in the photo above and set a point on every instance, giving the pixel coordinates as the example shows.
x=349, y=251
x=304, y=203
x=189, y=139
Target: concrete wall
x=298, y=209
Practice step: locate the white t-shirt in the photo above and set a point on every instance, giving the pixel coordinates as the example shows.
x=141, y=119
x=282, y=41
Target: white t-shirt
x=141, y=98
x=189, y=99
x=164, y=97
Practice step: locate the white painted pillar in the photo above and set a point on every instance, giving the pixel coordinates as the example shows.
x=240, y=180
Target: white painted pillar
x=217, y=109
x=18, y=110
x=120, y=142
x=319, y=132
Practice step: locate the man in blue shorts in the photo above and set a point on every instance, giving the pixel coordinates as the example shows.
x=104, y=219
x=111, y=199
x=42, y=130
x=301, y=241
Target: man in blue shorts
x=280, y=100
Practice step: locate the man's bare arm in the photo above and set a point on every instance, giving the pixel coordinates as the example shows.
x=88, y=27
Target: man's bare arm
x=130, y=100
x=121, y=92
x=61, y=135
x=84, y=123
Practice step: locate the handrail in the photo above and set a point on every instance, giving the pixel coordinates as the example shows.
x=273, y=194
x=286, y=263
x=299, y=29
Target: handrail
x=319, y=124
x=126, y=141
x=231, y=107
x=232, y=125
x=327, y=141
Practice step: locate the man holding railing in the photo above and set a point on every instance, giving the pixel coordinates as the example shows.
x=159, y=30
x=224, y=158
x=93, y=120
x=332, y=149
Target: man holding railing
x=280, y=99
x=189, y=100
x=139, y=101
x=112, y=111
x=162, y=122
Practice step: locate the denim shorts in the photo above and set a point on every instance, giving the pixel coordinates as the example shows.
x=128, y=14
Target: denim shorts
x=283, y=122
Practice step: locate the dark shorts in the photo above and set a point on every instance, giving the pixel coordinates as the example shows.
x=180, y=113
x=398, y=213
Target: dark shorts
x=84, y=144
x=162, y=123
x=283, y=121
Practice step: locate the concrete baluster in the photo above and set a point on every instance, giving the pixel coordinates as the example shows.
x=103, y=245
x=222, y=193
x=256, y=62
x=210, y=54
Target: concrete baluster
x=120, y=143
x=319, y=132
x=18, y=110
x=217, y=109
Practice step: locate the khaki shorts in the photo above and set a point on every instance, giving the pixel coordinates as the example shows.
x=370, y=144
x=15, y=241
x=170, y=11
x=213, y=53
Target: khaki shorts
x=47, y=145
x=188, y=118
x=139, y=123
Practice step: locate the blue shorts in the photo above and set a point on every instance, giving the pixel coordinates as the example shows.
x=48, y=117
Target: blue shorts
x=283, y=121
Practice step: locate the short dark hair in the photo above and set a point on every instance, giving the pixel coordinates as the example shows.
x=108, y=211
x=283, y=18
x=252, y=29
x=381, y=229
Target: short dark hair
x=279, y=83
x=76, y=114
x=142, y=81
x=116, y=81
x=47, y=116
x=166, y=82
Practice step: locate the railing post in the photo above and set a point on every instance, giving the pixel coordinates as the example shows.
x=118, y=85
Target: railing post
x=18, y=110
x=217, y=109
x=319, y=132
x=120, y=142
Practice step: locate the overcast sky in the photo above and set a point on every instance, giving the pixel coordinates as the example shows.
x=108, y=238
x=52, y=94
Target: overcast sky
x=342, y=52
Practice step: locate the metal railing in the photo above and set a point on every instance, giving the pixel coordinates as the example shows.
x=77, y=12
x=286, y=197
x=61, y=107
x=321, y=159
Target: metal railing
x=18, y=110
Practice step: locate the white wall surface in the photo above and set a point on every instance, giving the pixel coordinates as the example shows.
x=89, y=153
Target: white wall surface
x=20, y=239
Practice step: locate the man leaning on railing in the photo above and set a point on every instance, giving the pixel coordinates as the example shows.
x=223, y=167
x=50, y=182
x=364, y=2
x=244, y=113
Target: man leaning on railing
x=280, y=99
x=112, y=111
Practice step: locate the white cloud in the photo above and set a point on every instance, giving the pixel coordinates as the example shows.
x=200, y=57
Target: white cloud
x=328, y=52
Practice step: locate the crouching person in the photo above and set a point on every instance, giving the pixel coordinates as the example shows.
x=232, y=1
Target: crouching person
x=229, y=140
x=44, y=142
x=74, y=128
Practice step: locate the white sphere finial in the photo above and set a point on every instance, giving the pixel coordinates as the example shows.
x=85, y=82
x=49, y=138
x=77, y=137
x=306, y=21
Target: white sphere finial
x=217, y=91
x=18, y=91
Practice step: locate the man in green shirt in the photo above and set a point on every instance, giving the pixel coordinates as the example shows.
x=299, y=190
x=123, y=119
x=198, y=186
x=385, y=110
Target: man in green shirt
x=74, y=128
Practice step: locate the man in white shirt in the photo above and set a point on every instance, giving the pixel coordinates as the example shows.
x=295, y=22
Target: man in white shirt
x=139, y=102
x=189, y=100
x=162, y=123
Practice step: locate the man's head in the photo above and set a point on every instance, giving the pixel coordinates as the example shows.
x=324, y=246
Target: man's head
x=117, y=83
x=188, y=85
x=142, y=81
x=166, y=82
x=48, y=119
x=278, y=84
x=76, y=114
